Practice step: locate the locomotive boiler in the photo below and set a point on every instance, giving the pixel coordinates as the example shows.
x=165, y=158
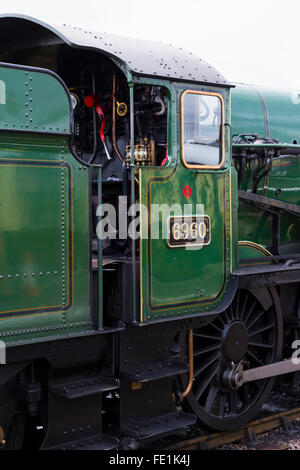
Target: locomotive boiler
x=149, y=248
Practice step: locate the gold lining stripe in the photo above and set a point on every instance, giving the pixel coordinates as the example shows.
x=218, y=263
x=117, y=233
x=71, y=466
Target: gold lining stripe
x=224, y=278
x=256, y=246
x=25, y=165
x=203, y=167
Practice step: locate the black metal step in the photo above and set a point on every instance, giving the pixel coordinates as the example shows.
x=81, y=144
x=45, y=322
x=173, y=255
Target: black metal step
x=99, y=442
x=154, y=371
x=85, y=387
x=160, y=425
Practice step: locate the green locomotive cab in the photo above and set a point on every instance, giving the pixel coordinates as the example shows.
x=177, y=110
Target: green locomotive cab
x=164, y=145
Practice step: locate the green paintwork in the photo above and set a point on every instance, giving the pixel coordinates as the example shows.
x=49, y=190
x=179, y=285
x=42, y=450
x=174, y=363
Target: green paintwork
x=176, y=281
x=44, y=232
x=249, y=252
x=33, y=101
x=278, y=117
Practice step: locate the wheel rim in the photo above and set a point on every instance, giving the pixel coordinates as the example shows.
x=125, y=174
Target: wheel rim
x=247, y=332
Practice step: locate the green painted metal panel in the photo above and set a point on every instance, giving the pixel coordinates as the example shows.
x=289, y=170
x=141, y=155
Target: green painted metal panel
x=179, y=281
x=33, y=101
x=249, y=251
x=273, y=113
x=246, y=111
x=256, y=225
x=266, y=112
x=283, y=108
x=44, y=238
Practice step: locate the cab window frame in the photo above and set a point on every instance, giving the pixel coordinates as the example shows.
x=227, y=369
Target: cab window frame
x=222, y=127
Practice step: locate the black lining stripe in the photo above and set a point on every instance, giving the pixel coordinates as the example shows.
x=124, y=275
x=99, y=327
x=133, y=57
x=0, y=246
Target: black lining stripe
x=57, y=164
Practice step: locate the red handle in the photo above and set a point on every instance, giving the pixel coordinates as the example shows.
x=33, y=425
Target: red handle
x=92, y=101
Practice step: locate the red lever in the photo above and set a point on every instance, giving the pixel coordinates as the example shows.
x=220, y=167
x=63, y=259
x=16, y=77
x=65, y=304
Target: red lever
x=165, y=160
x=92, y=101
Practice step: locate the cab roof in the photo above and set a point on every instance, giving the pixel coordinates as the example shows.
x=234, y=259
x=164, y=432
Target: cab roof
x=143, y=58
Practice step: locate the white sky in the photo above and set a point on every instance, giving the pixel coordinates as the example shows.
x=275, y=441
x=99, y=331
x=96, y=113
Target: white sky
x=252, y=42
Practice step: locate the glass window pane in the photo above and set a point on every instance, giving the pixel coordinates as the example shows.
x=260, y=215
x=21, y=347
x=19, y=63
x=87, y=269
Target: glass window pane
x=202, y=129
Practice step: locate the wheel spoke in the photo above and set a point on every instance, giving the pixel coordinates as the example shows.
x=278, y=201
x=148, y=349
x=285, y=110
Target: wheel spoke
x=260, y=314
x=245, y=394
x=237, y=304
x=206, y=364
x=261, y=330
x=221, y=320
x=206, y=350
x=258, y=384
x=205, y=384
x=250, y=311
x=232, y=312
x=261, y=345
x=244, y=306
x=210, y=398
x=227, y=316
x=255, y=358
x=216, y=328
x=214, y=338
x=222, y=405
x=233, y=401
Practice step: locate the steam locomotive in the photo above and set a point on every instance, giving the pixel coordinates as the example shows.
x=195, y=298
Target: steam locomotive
x=112, y=336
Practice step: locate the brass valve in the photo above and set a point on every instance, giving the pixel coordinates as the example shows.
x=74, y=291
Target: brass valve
x=144, y=153
x=122, y=109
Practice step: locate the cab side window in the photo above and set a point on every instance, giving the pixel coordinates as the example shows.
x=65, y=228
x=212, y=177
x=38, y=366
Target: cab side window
x=202, y=128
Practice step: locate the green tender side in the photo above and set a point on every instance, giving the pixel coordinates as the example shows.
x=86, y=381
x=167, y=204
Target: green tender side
x=176, y=281
x=272, y=113
x=44, y=218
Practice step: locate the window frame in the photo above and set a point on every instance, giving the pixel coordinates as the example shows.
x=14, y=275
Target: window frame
x=222, y=145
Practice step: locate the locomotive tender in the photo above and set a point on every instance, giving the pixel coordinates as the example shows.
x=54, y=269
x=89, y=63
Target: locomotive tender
x=112, y=341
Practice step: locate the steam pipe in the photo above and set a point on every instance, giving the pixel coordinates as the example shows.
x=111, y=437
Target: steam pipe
x=191, y=366
x=115, y=145
x=163, y=106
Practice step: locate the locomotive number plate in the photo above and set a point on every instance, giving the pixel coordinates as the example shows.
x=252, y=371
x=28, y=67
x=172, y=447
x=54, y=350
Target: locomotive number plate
x=188, y=230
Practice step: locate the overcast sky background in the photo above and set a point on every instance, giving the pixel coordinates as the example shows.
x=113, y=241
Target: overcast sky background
x=253, y=42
